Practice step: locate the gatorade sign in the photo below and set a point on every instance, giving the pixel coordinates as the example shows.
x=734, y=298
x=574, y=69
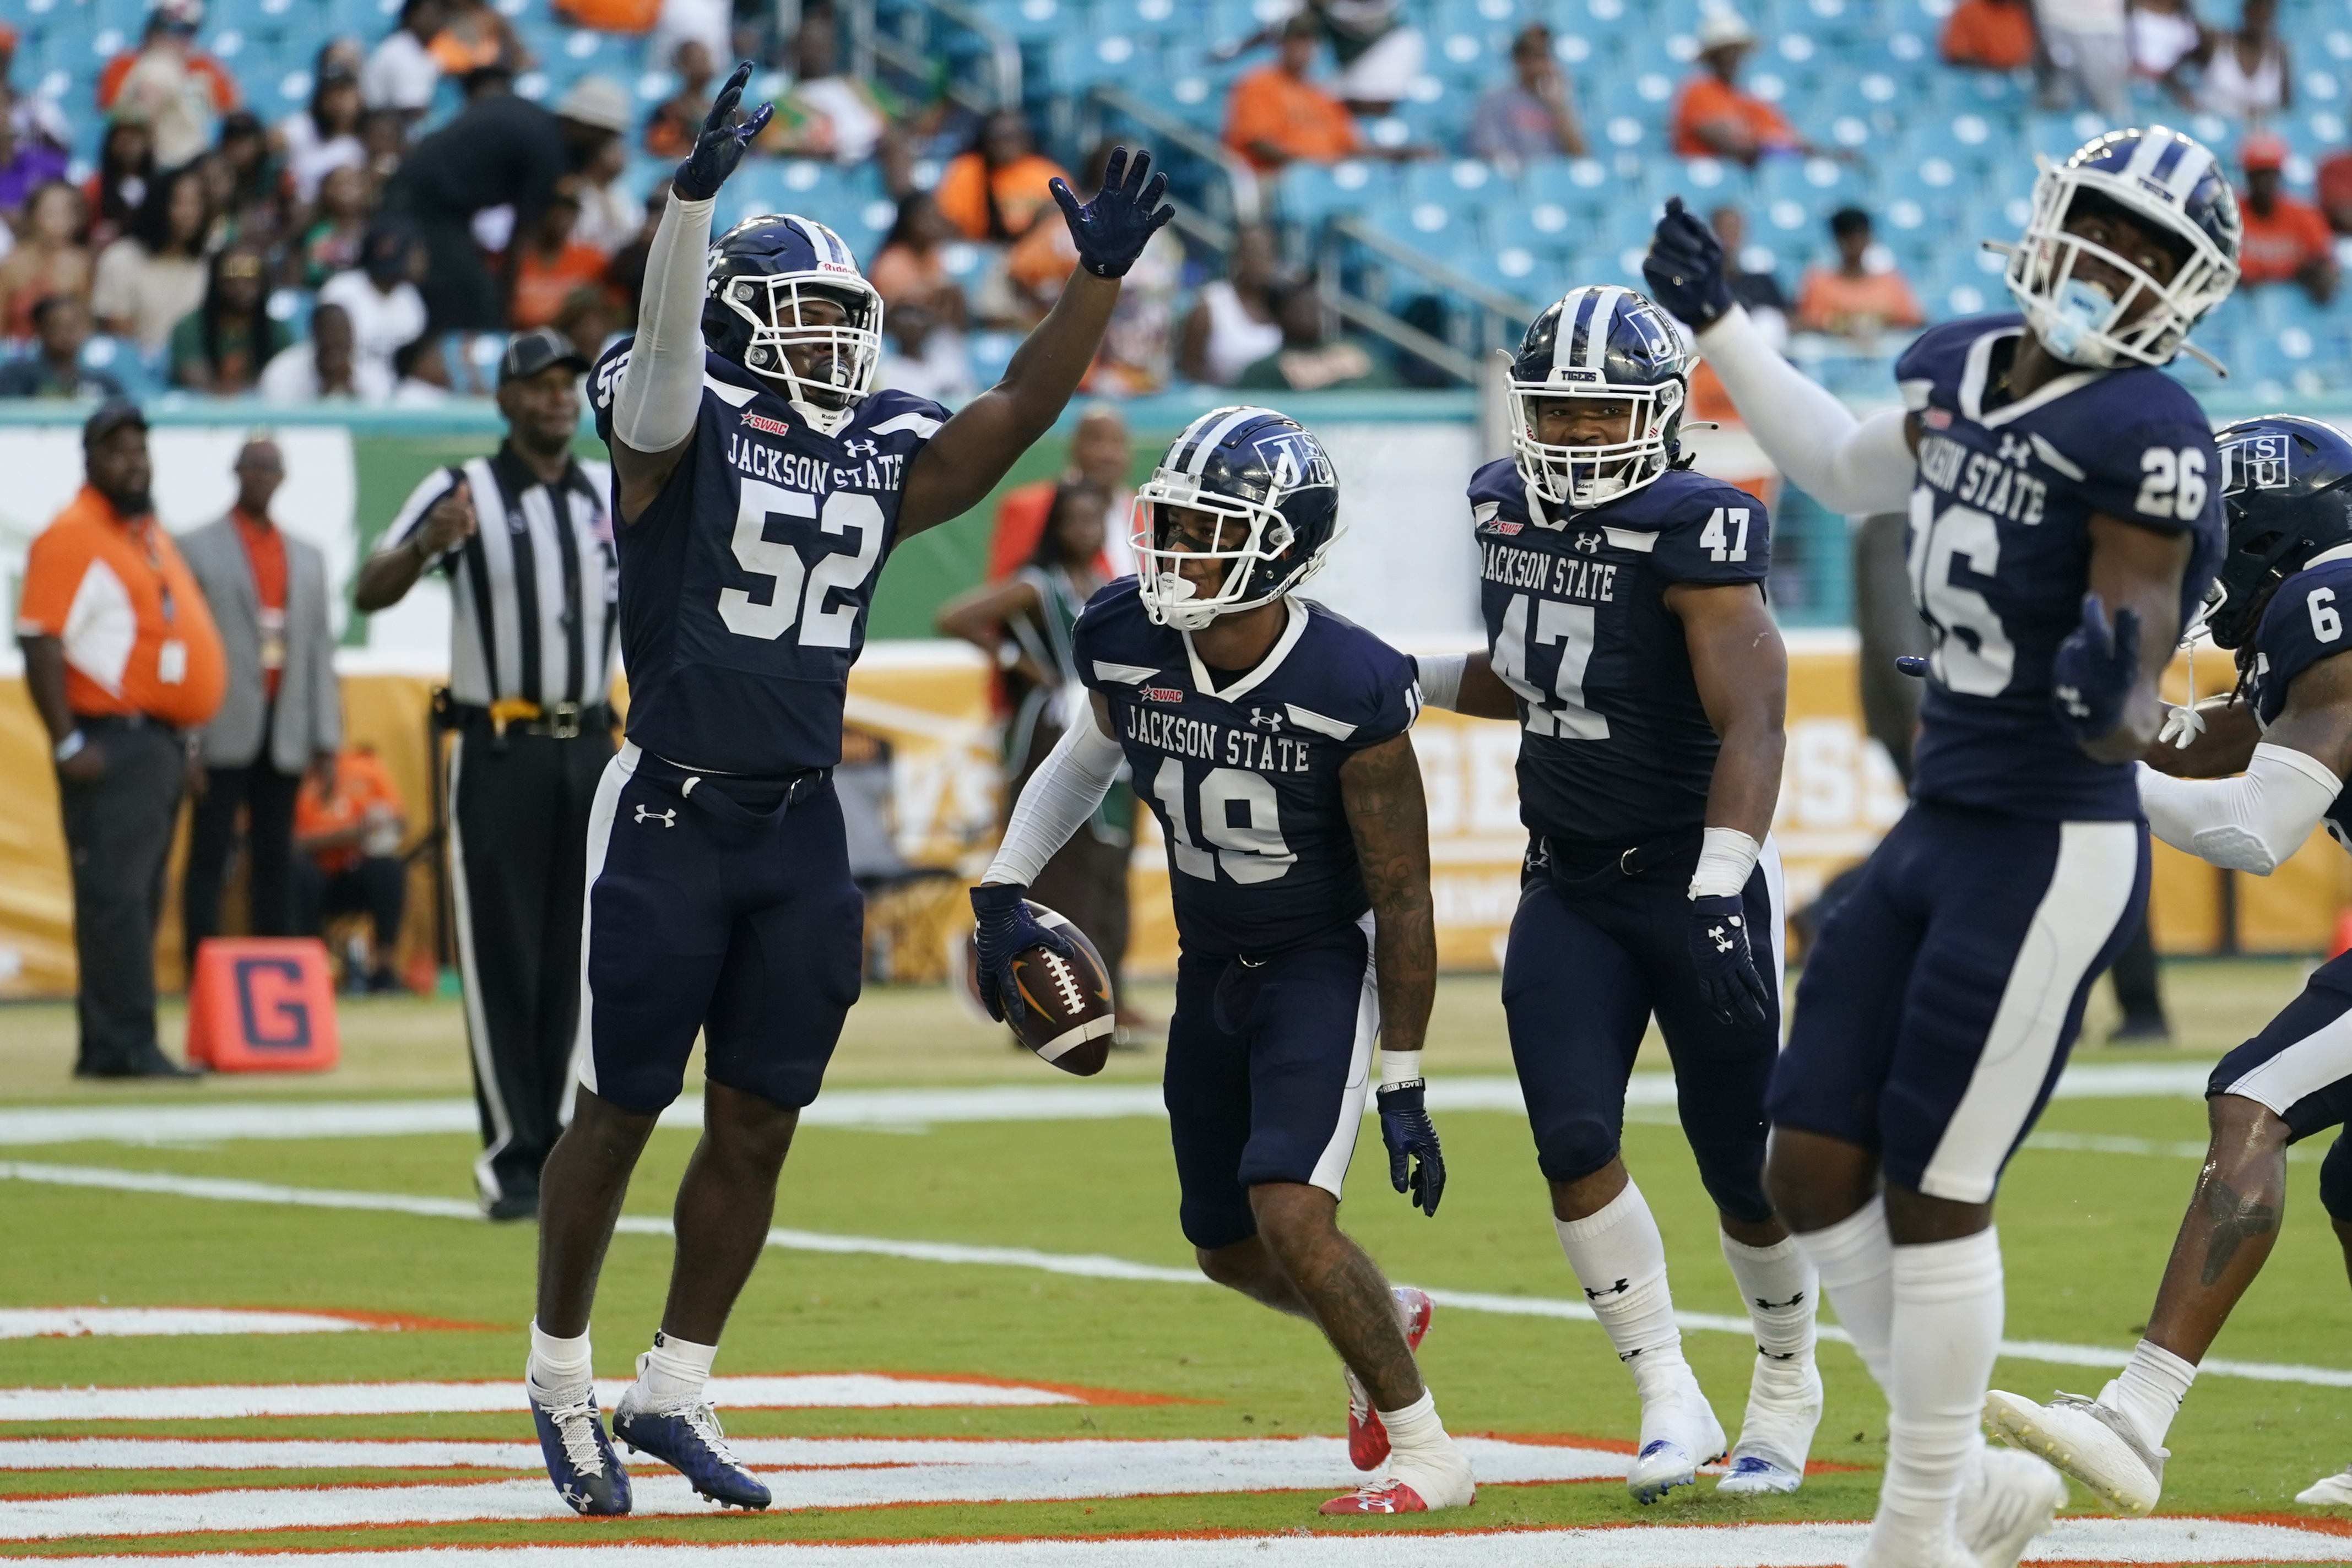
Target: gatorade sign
x=262, y=1005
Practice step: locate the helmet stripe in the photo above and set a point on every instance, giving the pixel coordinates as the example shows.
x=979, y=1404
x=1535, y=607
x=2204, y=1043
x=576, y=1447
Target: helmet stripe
x=1568, y=351
x=2196, y=162
x=2142, y=164
x=1198, y=459
x=1181, y=447
x=1604, y=317
x=2168, y=161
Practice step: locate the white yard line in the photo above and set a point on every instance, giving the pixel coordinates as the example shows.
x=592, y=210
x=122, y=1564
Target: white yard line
x=231, y=1401
x=1091, y=1266
x=76, y=1323
x=27, y=1126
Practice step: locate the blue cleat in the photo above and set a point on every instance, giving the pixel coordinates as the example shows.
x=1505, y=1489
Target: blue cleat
x=580, y=1458
x=689, y=1442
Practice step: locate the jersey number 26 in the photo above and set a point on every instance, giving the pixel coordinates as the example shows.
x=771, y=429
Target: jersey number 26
x=780, y=562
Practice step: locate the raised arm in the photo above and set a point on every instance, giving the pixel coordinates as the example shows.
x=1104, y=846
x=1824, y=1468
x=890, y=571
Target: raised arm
x=971, y=450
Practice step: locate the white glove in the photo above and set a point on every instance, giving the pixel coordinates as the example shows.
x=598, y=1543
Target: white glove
x=2182, y=725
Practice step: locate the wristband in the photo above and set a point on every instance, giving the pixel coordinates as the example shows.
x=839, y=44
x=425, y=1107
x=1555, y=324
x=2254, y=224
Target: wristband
x=1726, y=860
x=69, y=748
x=1440, y=679
x=1399, y=1067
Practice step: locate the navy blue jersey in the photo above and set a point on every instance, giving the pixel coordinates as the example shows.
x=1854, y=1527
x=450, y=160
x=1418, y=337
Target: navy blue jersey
x=2000, y=552
x=744, y=585
x=1245, y=781
x=1616, y=747
x=2303, y=624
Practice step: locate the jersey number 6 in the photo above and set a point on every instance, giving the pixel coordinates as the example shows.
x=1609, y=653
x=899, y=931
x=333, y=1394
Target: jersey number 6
x=781, y=564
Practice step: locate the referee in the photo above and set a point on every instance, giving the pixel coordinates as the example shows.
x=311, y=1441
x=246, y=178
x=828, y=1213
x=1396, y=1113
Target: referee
x=527, y=545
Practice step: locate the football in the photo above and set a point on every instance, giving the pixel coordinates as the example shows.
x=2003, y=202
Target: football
x=1068, y=1021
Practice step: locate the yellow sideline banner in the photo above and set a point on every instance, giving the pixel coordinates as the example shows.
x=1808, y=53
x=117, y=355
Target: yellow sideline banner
x=930, y=703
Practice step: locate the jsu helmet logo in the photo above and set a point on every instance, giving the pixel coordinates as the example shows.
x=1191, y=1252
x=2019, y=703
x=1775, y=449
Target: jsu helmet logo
x=667, y=818
x=2257, y=462
x=1296, y=461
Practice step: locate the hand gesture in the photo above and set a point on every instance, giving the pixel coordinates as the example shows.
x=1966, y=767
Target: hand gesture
x=1410, y=1137
x=1007, y=929
x=1112, y=231
x=1686, y=269
x=1727, y=979
x=2093, y=673
x=718, y=146
x=87, y=765
x=449, y=524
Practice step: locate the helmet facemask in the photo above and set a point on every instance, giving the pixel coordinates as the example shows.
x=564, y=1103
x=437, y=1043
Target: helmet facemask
x=2111, y=310
x=847, y=354
x=1581, y=477
x=1250, y=534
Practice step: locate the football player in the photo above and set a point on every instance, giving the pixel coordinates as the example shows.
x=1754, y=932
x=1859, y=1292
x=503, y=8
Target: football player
x=2064, y=514
x=1628, y=636
x=1269, y=736
x=2268, y=764
x=759, y=480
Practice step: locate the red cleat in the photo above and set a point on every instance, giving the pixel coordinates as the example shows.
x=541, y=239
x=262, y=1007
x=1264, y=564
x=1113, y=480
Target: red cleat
x=1395, y=1497
x=1368, y=1440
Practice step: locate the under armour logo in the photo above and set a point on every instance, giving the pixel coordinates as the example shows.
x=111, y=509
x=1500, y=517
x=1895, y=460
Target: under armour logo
x=861, y=448
x=1259, y=716
x=1589, y=543
x=2015, y=450
x=666, y=818
x=1772, y=1306
x=2072, y=698
x=1616, y=1290
x=1721, y=936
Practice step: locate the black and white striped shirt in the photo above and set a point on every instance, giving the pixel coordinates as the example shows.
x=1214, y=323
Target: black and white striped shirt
x=533, y=592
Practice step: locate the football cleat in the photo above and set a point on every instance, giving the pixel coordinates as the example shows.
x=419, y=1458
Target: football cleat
x=1784, y=1406
x=2092, y=1442
x=688, y=1441
x=2006, y=1499
x=1679, y=1434
x=1368, y=1440
x=1377, y=1496
x=580, y=1458
x=2328, y=1491
x=1949, y=1554
x=1420, y=1482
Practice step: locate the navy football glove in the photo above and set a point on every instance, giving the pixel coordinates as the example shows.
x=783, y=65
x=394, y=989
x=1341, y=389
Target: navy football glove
x=1111, y=230
x=2093, y=673
x=721, y=145
x=1728, y=981
x=1911, y=664
x=1686, y=269
x=1406, y=1129
x=1006, y=928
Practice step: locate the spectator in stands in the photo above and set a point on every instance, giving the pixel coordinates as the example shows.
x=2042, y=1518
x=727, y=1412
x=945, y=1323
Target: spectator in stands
x=338, y=227
x=1531, y=116
x=910, y=266
x=402, y=74
x=1855, y=298
x=624, y=274
x=126, y=163
x=671, y=131
x=2285, y=240
x=1988, y=35
x=609, y=213
x=830, y=115
x=1101, y=456
x=2166, y=45
x=2248, y=75
x=177, y=89
x=2334, y=182
x=1311, y=357
x=1379, y=54
x=148, y=280
x=711, y=23
x=420, y=372
x=326, y=135
x=1276, y=117
x=473, y=37
x=1713, y=118
x=26, y=162
x=589, y=317
x=1234, y=322
x=923, y=355
x=1759, y=292
x=384, y=137
x=2085, y=57
x=254, y=199
x=325, y=369
x=54, y=369
x=552, y=260
x=348, y=825
x=47, y=262
x=381, y=293
x=995, y=190
x=1136, y=353
x=221, y=346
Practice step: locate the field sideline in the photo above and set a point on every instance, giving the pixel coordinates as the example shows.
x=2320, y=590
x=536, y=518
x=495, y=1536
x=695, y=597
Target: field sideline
x=975, y=1331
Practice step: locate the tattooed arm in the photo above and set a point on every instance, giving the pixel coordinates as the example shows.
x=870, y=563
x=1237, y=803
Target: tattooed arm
x=1380, y=787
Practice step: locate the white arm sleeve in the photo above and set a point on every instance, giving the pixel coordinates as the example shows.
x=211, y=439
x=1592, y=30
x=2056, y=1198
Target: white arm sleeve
x=2251, y=822
x=1854, y=467
x=1060, y=796
x=1440, y=679
x=661, y=390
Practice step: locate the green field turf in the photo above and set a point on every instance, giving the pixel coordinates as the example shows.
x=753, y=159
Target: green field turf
x=2085, y=1236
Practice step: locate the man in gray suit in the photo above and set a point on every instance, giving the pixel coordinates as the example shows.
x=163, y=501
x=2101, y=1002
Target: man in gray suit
x=282, y=712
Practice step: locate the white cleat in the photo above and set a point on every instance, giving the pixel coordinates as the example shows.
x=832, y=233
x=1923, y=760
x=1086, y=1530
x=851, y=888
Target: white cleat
x=2090, y=1441
x=2007, y=1499
x=2328, y=1491
x=1679, y=1434
x=1784, y=1406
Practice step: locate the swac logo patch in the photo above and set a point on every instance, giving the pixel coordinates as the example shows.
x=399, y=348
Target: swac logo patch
x=1160, y=693
x=1505, y=526
x=1935, y=418
x=762, y=422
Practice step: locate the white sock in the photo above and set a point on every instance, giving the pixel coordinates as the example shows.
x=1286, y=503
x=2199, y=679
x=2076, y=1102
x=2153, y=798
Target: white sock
x=1621, y=1260
x=559, y=1371
x=2154, y=1383
x=1782, y=1292
x=1948, y=1317
x=671, y=1376
x=1854, y=1259
x=1416, y=1429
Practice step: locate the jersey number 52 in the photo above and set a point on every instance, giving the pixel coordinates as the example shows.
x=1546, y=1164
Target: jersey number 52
x=799, y=593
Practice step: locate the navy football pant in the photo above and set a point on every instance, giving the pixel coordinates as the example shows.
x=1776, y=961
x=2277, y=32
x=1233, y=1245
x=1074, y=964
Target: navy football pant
x=2300, y=1069
x=1593, y=955
x=1937, y=1008
x=722, y=906
x=1268, y=1064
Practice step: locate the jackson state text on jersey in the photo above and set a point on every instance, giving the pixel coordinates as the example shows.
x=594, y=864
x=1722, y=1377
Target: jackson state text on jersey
x=744, y=586
x=1615, y=745
x=2303, y=624
x=1246, y=785
x=2001, y=551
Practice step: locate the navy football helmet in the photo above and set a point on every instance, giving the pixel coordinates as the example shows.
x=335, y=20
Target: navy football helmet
x=1603, y=342
x=761, y=271
x=2161, y=180
x=1276, y=495
x=2286, y=489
